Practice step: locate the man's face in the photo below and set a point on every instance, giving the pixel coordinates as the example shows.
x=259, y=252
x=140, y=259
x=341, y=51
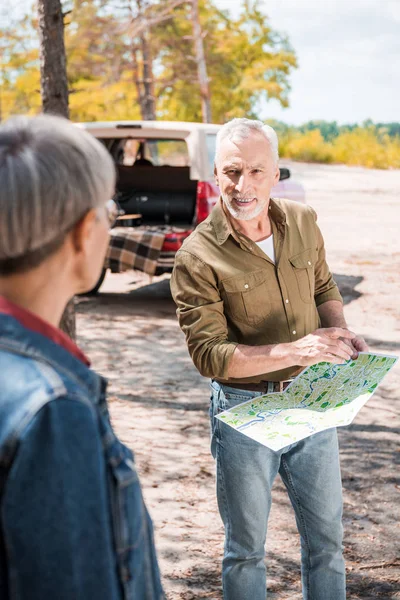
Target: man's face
x=246, y=172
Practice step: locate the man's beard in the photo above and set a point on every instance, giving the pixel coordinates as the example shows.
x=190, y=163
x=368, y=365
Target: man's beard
x=241, y=213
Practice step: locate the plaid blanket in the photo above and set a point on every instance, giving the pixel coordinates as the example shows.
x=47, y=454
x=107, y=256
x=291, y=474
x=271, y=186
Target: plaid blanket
x=133, y=248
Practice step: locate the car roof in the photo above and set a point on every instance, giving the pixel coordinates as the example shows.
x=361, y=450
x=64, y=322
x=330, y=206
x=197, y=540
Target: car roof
x=175, y=129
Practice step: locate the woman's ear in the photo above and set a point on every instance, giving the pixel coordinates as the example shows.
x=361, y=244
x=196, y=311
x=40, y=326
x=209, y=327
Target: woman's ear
x=83, y=230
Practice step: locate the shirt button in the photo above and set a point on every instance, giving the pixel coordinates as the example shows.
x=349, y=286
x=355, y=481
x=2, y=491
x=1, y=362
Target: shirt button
x=309, y=262
x=294, y=332
x=246, y=285
x=287, y=301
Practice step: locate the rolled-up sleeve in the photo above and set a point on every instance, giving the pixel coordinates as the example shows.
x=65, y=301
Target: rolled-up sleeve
x=325, y=286
x=200, y=312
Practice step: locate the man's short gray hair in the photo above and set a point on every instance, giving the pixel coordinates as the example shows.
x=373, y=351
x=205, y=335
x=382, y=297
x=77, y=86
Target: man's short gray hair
x=239, y=129
x=51, y=174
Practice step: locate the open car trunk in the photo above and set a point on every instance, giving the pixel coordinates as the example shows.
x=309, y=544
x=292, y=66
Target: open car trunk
x=162, y=195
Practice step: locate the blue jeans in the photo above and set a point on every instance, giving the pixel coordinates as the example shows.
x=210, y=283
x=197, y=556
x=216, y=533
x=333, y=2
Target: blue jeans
x=246, y=470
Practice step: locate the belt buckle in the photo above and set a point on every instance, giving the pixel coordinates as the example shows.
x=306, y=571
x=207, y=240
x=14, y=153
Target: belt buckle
x=284, y=384
x=270, y=387
x=278, y=386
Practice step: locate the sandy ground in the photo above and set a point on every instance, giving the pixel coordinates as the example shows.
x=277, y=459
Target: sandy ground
x=159, y=402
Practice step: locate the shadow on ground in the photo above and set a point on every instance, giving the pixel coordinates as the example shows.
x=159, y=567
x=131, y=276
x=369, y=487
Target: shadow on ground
x=382, y=344
x=347, y=285
x=154, y=297
x=160, y=291
x=122, y=332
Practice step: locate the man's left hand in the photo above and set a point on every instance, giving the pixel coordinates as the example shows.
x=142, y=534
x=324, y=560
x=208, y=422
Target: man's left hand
x=358, y=344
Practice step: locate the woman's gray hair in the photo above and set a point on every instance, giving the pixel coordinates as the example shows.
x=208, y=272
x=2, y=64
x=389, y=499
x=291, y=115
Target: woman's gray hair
x=51, y=174
x=239, y=129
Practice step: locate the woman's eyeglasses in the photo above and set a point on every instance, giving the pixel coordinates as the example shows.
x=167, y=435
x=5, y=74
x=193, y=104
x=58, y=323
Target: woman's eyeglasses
x=113, y=211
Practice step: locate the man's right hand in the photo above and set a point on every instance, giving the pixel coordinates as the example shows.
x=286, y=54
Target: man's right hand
x=323, y=345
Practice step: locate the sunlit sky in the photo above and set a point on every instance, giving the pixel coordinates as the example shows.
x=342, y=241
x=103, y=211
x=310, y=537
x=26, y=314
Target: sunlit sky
x=348, y=53
x=349, y=58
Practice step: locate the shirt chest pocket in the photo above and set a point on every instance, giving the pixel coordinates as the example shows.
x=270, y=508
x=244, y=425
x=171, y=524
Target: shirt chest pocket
x=303, y=265
x=247, y=297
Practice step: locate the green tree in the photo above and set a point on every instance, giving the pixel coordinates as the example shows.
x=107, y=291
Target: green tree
x=247, y=61
x=111, y=76
x=19, y=67
x=100, y=72
x=329, y=129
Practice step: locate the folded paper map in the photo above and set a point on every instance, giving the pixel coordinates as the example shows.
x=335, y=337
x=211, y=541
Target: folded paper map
x=322, y=396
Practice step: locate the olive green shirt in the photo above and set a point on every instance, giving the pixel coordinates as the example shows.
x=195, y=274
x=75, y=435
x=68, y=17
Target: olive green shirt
x=228, y=292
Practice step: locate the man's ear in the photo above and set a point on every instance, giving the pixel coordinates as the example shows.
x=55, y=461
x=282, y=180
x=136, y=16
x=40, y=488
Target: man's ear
x=83, y=230
x=215, y=174
x=277, y=175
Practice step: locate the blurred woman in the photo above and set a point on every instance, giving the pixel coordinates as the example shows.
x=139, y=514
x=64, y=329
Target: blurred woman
x=73, y=525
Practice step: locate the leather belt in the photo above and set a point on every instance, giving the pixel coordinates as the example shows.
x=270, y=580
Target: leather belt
x=263, y=386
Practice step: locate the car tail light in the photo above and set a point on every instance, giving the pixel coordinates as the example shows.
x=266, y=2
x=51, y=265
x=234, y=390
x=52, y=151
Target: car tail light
x=206, y=199
x=173, y=241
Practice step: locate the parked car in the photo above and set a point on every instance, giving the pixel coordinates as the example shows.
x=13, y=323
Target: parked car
x=165, y=174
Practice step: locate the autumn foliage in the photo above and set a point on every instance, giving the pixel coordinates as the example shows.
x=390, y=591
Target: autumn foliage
x=368, y=146
x=136, y=59
x=110, y=44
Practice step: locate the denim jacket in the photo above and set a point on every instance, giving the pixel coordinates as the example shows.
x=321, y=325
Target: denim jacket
x=73, y=524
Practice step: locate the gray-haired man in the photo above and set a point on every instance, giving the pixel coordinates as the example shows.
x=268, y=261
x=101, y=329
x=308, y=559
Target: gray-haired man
x=257, y=302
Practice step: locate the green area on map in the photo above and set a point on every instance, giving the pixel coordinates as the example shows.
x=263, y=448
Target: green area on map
x=321, y=397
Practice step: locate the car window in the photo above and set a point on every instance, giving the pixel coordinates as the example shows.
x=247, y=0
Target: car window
x=172, y=153
x=127, y=152
x=211, y=140
x=159, y=153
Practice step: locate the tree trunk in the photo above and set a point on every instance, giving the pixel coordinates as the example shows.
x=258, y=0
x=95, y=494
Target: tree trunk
x=201, y=64
x=148, y=108
x=53, y=64
x=143, y=67
x=54, y=91
x=137, y=77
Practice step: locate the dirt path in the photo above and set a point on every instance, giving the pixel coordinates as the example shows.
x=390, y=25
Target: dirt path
x=159, y=403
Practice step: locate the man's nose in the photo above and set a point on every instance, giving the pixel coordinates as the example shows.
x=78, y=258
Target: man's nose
x=242, y=182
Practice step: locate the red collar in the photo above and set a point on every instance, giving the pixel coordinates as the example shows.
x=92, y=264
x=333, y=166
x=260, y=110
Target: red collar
x=35, y=323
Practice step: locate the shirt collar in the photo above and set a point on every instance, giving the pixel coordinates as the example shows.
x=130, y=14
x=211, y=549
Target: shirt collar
x=33, y=322
x=221, y=224
x=277, y=214
x=223, y=228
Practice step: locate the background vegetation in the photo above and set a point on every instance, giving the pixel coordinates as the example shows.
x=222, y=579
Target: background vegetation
x=369, y=145
x=138, y=59
x=121, y=51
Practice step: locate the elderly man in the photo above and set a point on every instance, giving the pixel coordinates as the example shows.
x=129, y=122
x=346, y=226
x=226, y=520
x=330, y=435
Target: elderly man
x=72, y=519
x=257, y=303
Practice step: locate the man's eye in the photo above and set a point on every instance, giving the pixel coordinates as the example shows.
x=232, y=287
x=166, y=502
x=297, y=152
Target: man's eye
x=232, y=171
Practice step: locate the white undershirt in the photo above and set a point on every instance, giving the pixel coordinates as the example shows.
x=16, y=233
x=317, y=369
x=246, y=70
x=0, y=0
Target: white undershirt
x=267, y=246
